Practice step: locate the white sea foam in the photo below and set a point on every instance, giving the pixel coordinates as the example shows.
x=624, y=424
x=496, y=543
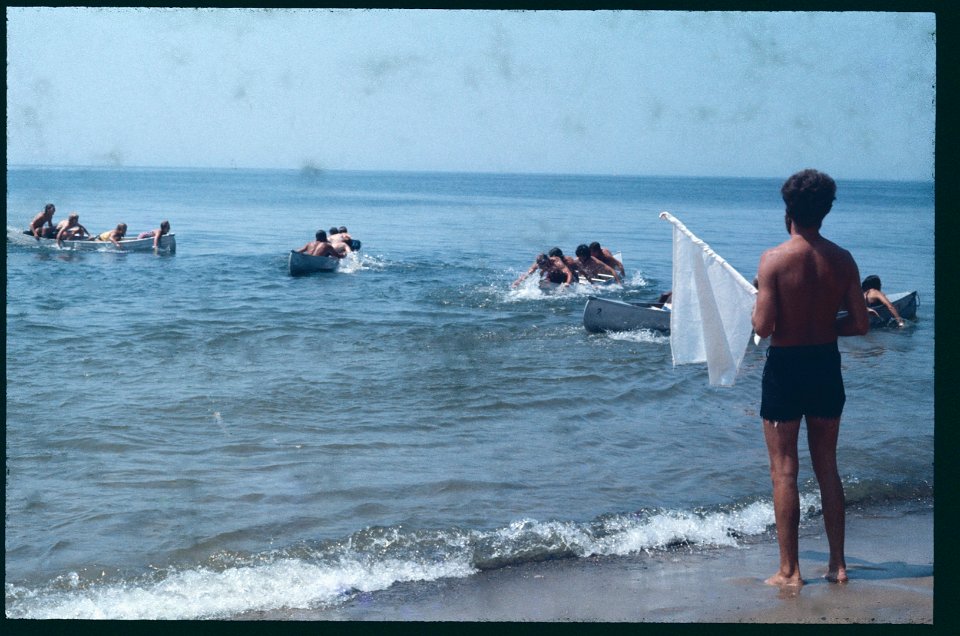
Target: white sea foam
x=640, y=335
x=635, y=279
x=384, y=560
x=529, y=289
x=358, y=261
x=204, y=593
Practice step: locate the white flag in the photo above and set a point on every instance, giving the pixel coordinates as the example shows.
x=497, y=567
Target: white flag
x=711, y=318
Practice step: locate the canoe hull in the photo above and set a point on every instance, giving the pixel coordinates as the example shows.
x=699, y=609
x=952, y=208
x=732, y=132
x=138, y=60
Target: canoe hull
x=302, y=264
x=906, y=304
x=603, y=314
x=168, y=243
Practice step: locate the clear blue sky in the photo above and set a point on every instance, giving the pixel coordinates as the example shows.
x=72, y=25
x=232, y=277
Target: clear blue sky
x=608, y=92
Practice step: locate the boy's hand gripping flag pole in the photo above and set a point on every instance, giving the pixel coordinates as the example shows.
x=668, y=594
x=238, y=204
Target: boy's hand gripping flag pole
x=711, y=319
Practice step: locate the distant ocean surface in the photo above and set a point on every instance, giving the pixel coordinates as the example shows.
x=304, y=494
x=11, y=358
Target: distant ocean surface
x=199, y=435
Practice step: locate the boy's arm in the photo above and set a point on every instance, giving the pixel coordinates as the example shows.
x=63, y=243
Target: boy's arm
x=856, y=322
x=879, y=295
x=765, y=310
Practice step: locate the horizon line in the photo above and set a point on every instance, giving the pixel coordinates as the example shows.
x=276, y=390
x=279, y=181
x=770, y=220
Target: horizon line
x=309, y=169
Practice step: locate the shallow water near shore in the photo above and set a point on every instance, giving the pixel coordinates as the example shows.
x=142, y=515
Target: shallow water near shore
x=200, y=435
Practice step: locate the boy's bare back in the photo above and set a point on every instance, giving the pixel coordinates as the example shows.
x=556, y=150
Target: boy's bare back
x=802, y=284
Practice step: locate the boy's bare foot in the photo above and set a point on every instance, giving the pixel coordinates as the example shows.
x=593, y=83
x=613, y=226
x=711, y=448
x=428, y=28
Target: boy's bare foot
x=781, y=580
x=836, y=575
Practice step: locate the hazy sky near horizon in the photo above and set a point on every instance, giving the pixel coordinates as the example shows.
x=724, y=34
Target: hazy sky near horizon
x=592, y=92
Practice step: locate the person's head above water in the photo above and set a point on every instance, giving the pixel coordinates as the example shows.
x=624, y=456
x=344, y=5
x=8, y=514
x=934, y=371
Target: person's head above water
x=870, y=282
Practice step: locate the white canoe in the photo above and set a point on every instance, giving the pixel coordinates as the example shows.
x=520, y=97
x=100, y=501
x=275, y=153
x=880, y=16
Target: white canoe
x=604, y=314
x=301, y=264
x=168, y=243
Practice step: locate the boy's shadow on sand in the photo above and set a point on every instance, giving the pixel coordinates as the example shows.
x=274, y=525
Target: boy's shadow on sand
x=869, y=571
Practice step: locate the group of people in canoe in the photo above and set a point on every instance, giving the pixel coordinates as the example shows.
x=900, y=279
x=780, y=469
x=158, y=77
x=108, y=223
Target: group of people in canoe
x=593, y=263
x=70, y=229
x=337, y=243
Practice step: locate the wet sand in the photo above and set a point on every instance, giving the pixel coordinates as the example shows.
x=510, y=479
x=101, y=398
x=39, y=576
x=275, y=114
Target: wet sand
x=889, y=560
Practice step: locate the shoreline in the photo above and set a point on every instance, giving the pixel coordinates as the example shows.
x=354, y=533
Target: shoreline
x=891, y=581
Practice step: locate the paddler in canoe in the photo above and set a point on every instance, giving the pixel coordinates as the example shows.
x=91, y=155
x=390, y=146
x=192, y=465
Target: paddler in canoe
x=341, y=240
x=156, y=234
x=70, y=230
x=44, y=218
x=113, y=236
x=320, y=247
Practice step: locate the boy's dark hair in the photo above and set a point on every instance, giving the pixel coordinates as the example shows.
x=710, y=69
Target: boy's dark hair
x=556, y=251
x=870, y=282
x=582, y=250
x=809, y=195
x=321, y=236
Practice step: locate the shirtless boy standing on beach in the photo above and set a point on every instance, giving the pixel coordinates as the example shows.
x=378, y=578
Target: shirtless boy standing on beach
x=802, y=284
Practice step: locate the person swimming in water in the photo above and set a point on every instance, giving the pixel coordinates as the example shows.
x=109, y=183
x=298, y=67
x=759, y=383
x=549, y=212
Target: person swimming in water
x=571, y=263
x=873, y=296
x=552, y=269
x=590, y=267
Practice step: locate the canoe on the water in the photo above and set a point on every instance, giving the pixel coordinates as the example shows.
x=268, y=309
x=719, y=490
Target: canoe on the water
x=906, y=304
x=168, y=243
x=302, y=264
x=603, y=314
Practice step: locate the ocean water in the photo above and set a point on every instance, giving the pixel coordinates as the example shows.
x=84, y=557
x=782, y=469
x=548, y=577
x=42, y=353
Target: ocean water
x=199, y=435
